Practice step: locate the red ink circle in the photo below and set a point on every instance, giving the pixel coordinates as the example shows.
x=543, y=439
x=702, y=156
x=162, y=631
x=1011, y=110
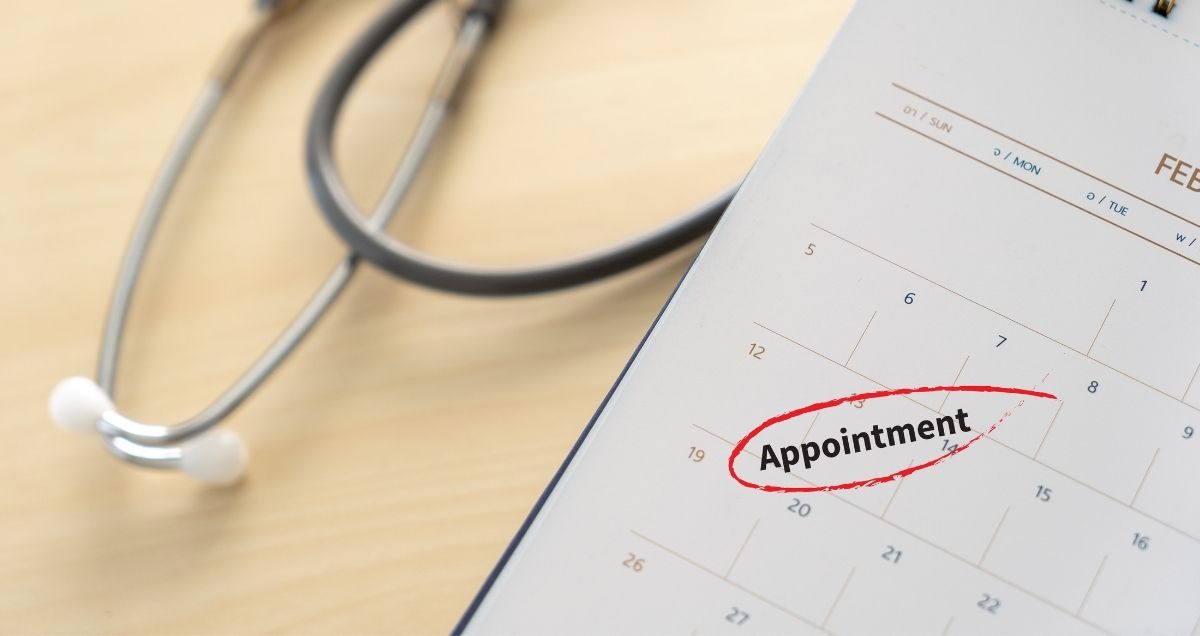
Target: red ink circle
x=904, y=472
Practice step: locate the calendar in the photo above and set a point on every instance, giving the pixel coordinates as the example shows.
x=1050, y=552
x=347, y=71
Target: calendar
x=966, y=194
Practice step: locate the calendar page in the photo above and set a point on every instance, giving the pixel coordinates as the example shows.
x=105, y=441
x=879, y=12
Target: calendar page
x=936, y=370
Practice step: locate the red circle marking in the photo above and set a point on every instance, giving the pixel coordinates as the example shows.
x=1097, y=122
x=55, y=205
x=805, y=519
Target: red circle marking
x=904, y=472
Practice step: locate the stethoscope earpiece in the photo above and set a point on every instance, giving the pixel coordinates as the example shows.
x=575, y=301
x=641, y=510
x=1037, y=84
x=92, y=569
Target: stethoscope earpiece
x=217, y=456
x=77, y=403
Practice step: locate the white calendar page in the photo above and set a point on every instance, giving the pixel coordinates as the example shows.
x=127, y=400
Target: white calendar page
x=966, y=193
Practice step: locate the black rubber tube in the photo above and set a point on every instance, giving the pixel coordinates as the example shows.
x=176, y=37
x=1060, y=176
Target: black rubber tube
x=402, y=260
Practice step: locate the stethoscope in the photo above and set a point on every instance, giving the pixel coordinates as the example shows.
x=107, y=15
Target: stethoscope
x=217, y=455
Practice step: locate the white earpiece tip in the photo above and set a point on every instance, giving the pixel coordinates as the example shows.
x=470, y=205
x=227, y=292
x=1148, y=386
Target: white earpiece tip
x=77, y=402
x=217, y=457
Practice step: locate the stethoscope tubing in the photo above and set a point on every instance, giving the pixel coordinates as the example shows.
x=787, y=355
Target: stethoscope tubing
x=165, y=445
x=339, y=209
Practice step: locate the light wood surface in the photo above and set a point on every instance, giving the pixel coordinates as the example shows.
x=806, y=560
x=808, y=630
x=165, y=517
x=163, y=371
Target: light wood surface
x=394, y=456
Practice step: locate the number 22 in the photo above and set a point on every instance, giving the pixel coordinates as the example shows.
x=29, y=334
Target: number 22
x=989, y=603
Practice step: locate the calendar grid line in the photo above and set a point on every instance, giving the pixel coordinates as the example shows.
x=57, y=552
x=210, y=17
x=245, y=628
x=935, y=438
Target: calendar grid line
x=958, y=375
x=1190, y=383
x=739, y=552
x=1144, y=476
x=811, y=425
x=1102, y=323
x=895, y=491
x=1061, y=404
x=919, y=538
x=993, y=440
x=721, y=438
x=837, y=599
x=995, y=533
x=739, y=586
x=1008, y=318
x=861, y=336
x=1091, y=586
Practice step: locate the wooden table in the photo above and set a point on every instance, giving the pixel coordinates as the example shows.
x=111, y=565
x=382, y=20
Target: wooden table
x=395, y=455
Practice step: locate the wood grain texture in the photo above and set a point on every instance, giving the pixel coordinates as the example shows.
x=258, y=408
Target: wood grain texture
x=396, y=453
